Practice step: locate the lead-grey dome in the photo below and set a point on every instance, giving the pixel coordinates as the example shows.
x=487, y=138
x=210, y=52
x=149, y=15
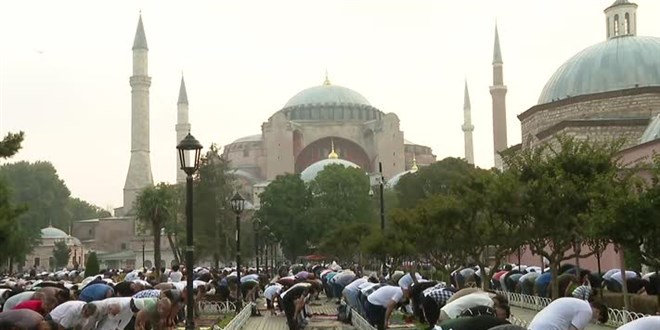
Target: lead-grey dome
x=52, y=232
x=310, y=173
x=619, y=63
x=327, y=93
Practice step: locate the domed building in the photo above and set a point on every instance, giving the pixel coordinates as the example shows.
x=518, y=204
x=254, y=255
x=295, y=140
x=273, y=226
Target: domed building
x=42, y=256
x=316, y=122
x=607, y=91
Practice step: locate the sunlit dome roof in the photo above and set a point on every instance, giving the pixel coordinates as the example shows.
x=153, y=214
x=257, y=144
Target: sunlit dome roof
x=310, y=173
x=52, y=232
x=652, y=131
x=618, y=63
x=327, y=93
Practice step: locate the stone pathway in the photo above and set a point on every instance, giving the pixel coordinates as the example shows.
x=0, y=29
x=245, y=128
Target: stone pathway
x=323, y=307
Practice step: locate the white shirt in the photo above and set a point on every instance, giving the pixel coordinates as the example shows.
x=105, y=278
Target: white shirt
x=561, y=314
x=307, y=285
x=113, y=322
x=385, y=295
x=456, y=307
x=250, y=277
x=645, y=323
x=366, y=286
x=617, y=276
x=176, y=276
x=353, y=286
x=406, y=280
x=610, y=272
x=272, y=290
x=69, y=314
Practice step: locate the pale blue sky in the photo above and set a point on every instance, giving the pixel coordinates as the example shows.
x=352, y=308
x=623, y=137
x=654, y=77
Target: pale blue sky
x=64, y=68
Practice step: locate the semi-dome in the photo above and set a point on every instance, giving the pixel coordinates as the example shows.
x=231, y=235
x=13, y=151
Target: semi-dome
x=618, y=63
x=310, y=173
x=52, y=232
x=652, y=131
x=327, y=93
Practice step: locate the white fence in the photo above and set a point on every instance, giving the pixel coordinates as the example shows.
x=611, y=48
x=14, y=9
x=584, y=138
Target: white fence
x=359, y=322
x=240, y=319
x=617, y=317
x=215, y=307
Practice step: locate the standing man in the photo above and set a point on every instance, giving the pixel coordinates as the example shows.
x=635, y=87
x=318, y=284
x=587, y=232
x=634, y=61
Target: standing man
x=570, y=314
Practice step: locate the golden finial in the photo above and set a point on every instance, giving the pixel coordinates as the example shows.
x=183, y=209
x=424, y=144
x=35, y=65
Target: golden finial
x=326, y=81
x=414, y=167
x=332, y=154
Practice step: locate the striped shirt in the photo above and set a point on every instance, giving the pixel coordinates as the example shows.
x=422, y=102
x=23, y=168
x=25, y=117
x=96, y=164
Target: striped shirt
x=582, y=292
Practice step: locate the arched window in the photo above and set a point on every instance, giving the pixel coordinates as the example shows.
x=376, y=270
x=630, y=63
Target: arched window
x=626, y=24
x=616, y=25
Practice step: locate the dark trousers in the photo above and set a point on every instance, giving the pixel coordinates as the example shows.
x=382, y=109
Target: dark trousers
x=431, y=310
x=376, y=315
x=290, y=311
x=416, y=297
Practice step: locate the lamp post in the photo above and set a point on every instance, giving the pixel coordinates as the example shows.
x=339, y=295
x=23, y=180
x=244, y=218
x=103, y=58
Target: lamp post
x=143, y=264
x=266, y=231
x=256, y=222
x=189, y=152
x=237, y=205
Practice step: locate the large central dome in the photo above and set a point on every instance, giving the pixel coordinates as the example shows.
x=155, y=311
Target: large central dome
x=327, y=93
x=619, y=63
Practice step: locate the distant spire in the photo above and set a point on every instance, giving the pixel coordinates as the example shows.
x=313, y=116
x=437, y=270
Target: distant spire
x=497, y=53
x=326, y=81
x=183, y=95
x=466, y=97
x=140, y=41
x=414, y=167
x=332, y=154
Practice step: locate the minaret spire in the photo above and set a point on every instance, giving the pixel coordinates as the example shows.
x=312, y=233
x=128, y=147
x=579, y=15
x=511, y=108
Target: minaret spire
x=467, y=127
x=182, y=126
x=498, y=94
x=327, y=80
x=139, y=169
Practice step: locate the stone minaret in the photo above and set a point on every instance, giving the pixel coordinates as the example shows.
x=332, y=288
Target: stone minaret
x=182, y=126
x=467, y=127
x=621, y=19
x=498, y=92
x=139, y=169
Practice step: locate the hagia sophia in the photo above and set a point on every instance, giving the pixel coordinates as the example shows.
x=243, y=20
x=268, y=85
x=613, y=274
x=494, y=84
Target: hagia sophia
x=607, y=91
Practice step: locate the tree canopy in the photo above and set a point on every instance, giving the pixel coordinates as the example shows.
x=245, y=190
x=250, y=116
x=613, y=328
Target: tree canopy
x=61, y=254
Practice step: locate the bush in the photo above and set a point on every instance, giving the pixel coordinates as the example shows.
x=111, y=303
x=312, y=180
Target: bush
x=644, y=304
x=92, y=266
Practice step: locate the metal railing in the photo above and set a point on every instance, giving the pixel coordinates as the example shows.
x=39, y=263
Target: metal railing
x=617, y=317
x=239, y=320
x=359, y=322
x=215, y=307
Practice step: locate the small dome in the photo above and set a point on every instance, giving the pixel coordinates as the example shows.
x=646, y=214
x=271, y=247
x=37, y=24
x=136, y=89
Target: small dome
x=619, y=63
x=652, y=131
x=52, y=232
x=392, y=182
x=250, y=138
x=327, y=94
x=310, y=173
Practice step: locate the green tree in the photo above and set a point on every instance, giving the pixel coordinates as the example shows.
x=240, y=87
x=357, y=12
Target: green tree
x=213, y=215
x=284, y=205
x=10, y=144
x=15, y=242
x=61, y=253
x=155, y=208
x=567, y=187
x=92, y=266
x=340, y=198
x=38, y=186
x=79, y=209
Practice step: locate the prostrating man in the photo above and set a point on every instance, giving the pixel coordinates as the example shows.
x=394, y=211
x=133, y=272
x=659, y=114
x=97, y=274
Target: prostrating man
x=151, y=312
x=25, y=319
x=454, y=308
x=644, y=323
x=381, y=303
x=433, y=299
x=42, y=306
x=272, y=294
x=98, y=291
x=351, y=291
x=113, y=313
x=569, y=313
x=71, y=314
x=479, y=322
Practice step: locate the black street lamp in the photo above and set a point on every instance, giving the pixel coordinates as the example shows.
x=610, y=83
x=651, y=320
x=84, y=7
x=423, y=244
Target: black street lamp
x=189, y=152
x=257, y=224
x=238, y=205
x=143, y=264
x=381, y=197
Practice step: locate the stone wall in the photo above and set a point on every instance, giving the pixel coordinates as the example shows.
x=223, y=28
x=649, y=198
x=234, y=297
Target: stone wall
x=631, y=103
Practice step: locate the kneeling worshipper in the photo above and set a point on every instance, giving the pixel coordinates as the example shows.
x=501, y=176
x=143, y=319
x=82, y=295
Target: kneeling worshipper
x=151, y=312
x=25, y=319
x=644, y=323
x=113, y=313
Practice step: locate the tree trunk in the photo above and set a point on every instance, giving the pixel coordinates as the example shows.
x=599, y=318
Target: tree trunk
x=156, y=233
x=554, y=269
x=175, y=251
